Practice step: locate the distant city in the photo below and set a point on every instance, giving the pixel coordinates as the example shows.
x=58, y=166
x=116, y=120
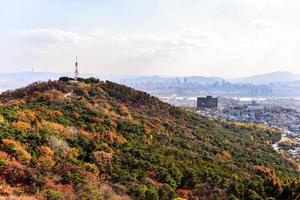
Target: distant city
x=201, y=86
x=272, y=85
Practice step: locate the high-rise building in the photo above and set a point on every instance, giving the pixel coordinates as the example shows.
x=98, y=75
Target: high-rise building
x=207, y=102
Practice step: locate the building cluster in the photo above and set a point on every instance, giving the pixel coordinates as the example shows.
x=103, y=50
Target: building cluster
x=196, y=86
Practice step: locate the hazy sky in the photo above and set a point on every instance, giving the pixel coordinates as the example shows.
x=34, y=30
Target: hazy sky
x=226, y=38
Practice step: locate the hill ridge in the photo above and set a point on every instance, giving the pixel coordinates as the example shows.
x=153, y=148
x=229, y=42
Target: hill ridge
x=87, y=139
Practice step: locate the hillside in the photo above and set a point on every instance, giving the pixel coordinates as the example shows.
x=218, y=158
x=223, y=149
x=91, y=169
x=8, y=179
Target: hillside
x=100, y=140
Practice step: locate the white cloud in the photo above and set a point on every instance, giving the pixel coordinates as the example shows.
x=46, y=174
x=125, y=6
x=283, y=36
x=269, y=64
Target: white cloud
x=49, y=36
x=170, y=36
x=260, y=2
x=182, y=40
x=261, y=24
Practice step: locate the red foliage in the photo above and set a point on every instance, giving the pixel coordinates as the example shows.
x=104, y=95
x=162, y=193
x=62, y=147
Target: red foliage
x=184, y=193
x=102, y=157
x=22, y=116
x=96, y=119
x=88, y=175
x=67, y=168
x=46, y=151
x=4, y=156
x=45, y=162
x=67, y=190
x=114, y=137
x=123, y=110
x=31, y=115
x=55, y=113
x=15, y=173
x=88, y=106
x=85, y=134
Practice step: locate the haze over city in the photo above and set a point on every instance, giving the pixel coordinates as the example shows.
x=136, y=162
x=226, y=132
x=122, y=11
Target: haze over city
x=226, y=38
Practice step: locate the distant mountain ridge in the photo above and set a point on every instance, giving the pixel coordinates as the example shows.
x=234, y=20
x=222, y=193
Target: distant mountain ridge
x=273, y=77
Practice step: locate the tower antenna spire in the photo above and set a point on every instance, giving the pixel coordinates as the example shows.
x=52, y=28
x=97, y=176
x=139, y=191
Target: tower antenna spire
x=76, y=69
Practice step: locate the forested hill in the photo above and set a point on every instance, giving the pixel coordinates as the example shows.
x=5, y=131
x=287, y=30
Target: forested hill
x=100, y=140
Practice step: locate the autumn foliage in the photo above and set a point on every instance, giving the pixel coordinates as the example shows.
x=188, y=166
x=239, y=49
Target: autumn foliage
x=89, y=139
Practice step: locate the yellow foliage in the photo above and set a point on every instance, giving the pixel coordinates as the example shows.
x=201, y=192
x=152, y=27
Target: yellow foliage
x=260, y=127
x=75, y=115
x=45, y=162
x=57, y=129
x=243, y=125
x=2, y=119
x=226, y=155
x=223, y=156
x=288, y=142
x=91, y=168
x=16, y=149
x=73, y=153
x=266, y=172
x=147, y=130
x=22, y=126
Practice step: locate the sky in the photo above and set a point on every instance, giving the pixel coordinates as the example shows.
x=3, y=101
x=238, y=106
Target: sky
x=227, y=38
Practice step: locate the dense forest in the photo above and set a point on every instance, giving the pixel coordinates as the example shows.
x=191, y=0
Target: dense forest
x=89, y=139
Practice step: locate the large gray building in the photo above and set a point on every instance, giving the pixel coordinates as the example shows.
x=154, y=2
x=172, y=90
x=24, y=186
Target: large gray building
x=207, y=102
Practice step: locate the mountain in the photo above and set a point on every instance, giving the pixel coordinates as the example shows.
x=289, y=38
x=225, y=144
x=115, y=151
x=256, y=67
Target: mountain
x=101, y=140
x=274, y=77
